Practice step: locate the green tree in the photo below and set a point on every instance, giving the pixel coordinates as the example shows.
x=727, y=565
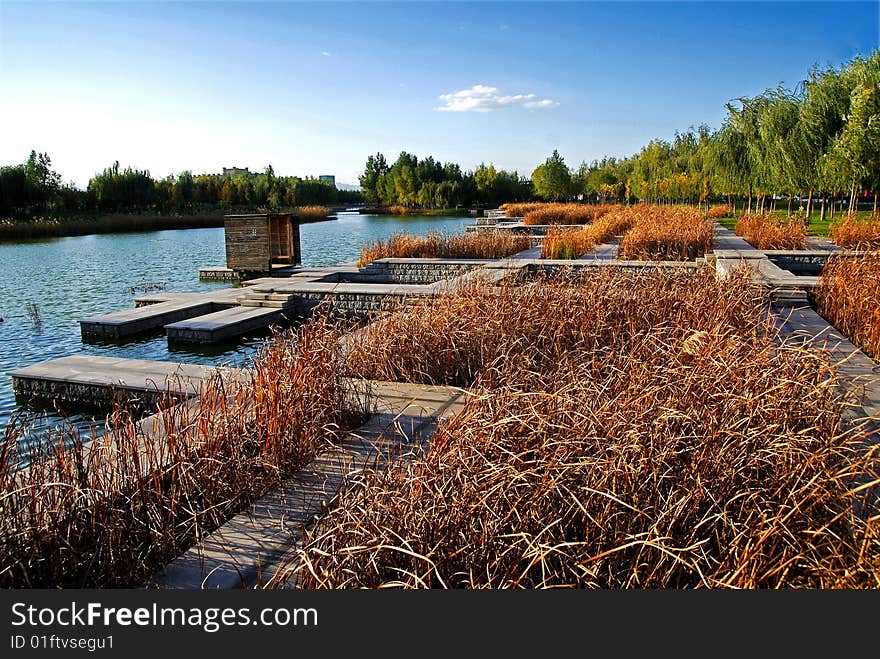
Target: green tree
x=375, y=169
x=552, y=179
x=855, y=152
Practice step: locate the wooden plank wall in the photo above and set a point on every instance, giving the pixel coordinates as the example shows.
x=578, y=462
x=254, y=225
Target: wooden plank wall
x=247, y=243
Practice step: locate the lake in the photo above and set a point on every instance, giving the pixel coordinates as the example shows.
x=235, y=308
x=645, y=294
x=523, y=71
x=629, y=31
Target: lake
x=72, y=278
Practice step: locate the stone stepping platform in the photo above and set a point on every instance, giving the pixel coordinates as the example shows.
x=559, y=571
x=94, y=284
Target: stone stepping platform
x=224, y=324
x=152, y=312
x=94, y=380
x=140, y=320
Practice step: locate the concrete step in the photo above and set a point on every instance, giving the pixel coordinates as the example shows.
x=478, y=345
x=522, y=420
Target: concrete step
x=223, y=325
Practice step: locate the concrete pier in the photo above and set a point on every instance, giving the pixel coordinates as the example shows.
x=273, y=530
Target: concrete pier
x=222, y=325
x=228, y=313
x=92, y=380
x=153, y=312
x=140, y=320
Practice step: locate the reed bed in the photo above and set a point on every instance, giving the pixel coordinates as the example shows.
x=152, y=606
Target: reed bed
x=718, y=212
x=311, y=213
x=630, y=430
x=848, y=296
x=763, y=232
x=521, y=209
x=567, y=243
x=111, y=511
x=51, y=227
x=666, y=233
x=476, y=245
x=857, y=234
x=566, y=214
x=451, y=339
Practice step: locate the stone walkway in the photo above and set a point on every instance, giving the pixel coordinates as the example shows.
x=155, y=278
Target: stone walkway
x=862, y=374
x=250, y=548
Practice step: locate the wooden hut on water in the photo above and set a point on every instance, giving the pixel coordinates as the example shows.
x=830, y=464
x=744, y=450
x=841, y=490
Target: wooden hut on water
x=261, y=242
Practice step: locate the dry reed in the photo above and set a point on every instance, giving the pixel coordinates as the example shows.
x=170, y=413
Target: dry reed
x=717, y=212
x=521, y=209
x=564, y=243
x=566, y=214
x=763, y=232
x=634, y=430
x=112, y=510
x=848, y=296
x=857, y=234
x=476, y=245
x=311, y=213
x=666, y=233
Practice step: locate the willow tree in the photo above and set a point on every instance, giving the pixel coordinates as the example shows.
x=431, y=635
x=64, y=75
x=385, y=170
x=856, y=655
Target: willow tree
x=855, y=152
x=745, y=120
x=788, y=162
x=727, y=161
x=822, y=116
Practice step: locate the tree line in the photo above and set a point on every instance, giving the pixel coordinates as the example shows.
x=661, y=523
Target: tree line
x=427, y=183
x=815, y=143
x=34, y=188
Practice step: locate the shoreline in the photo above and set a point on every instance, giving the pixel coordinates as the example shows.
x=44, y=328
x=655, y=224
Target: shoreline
x=114, y=223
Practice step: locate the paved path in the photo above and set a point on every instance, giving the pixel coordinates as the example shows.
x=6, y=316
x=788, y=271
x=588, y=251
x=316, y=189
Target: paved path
x=604, y=252
x=861, y=373
x=251, y=547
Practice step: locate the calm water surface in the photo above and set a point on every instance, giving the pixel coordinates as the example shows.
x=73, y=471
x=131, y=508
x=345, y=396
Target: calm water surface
x=70, y=278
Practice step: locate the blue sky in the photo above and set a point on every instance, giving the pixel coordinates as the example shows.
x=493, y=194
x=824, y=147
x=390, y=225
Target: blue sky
x=315, y=88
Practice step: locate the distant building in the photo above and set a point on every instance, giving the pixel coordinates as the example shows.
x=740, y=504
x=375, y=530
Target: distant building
x=232, y=171
x=328, y=177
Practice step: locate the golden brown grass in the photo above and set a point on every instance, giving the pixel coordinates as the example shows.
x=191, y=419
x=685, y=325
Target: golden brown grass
x=666, y=233
x=475, y=245
x=848, y=296
x=717, y=212
x=564, y=243
x=856, y=234
x=520, y=209
x=452, y=338
x=633, y=430
x=311, y=213
x=763, y=232
x=566, y=214
x=111, y=511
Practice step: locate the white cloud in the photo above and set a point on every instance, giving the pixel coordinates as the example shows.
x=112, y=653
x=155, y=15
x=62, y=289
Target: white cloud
x=325, y=53
x=544, y=103
x=482, y=98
